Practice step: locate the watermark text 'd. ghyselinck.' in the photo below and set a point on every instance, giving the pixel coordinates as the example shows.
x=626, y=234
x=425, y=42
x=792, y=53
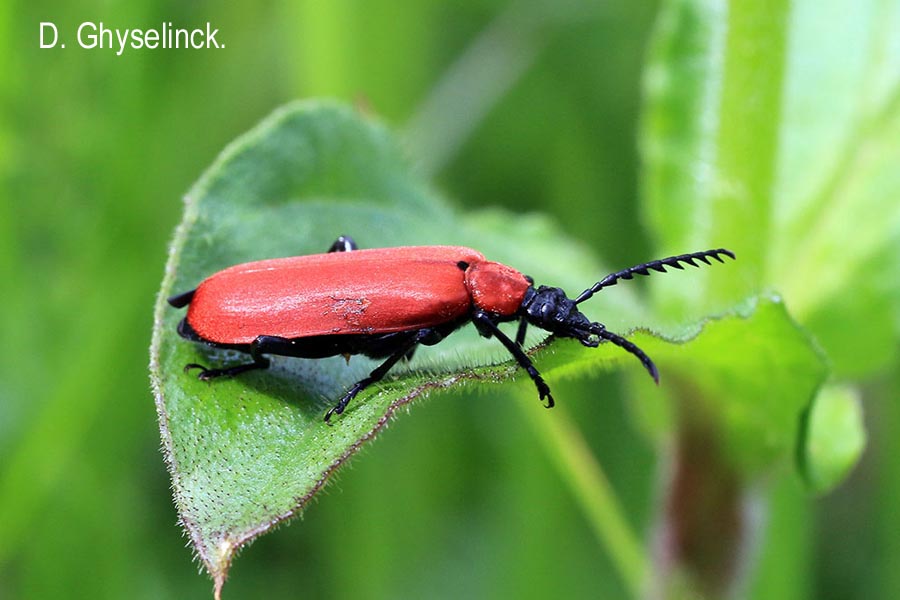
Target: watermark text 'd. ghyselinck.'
x=97, y=36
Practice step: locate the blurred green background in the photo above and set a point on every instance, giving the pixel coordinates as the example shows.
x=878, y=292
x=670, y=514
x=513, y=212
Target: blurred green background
x=96, y=151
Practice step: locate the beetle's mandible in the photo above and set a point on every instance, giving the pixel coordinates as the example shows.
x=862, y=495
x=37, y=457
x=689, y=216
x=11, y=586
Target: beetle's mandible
x=384, y=303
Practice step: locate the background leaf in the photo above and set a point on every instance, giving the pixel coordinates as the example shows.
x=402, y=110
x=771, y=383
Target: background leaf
x=835, y=252
x=715, y=382
x=839, y=440
x=752, y=134
x=769, y=158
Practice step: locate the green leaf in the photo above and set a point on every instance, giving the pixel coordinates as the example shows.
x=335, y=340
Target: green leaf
x=747, y=379
x=710, y=134
x=768, y=147
x=835, y=248
x=248, y=452
x=773, y=129
x=837, y=437
x=710, y=137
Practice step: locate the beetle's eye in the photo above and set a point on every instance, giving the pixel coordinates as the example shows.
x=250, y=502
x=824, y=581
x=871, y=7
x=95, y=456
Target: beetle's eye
x=547, y=310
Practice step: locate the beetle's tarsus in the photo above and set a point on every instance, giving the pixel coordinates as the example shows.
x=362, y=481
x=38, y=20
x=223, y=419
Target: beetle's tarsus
x=191, y=366
x=546, y=394
x=207, y=374
x=338, y=409
x=542, y=387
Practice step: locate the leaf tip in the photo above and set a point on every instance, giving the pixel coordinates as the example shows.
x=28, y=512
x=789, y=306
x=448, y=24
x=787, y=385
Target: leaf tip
x=833, y=437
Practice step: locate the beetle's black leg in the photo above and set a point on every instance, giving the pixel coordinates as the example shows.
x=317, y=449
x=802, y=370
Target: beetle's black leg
x=378, y=374
x=520, y=333
x=345, y=243
x=259, y=362
x=485, y=324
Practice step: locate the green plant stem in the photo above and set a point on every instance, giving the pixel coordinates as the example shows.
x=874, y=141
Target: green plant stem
x=483, y=74
x=477, y=80
x=585, y=477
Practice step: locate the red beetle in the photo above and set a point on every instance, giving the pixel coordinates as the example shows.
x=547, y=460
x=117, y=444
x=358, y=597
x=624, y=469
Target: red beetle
x=383, y=303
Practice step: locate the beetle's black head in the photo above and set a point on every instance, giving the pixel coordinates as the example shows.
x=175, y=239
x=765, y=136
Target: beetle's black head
x=550, y=309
